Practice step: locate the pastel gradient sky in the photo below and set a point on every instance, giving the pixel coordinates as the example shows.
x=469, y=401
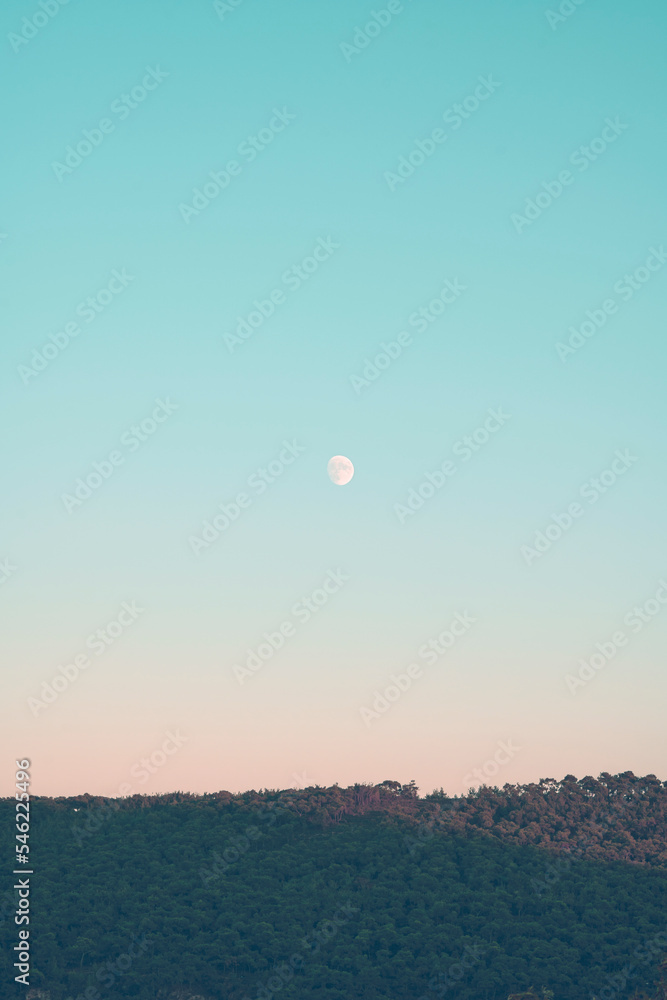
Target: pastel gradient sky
x=328, y=179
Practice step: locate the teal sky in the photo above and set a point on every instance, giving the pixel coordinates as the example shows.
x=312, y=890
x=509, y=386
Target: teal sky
x=324, y=180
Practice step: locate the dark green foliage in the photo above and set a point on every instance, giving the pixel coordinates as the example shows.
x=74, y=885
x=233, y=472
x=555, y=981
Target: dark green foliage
x=368, y=893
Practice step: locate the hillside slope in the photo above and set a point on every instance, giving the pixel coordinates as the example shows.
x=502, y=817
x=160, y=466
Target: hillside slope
x=366, y=892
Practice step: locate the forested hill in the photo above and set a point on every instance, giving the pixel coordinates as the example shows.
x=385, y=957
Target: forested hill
x=618, y=817
x=362, y=893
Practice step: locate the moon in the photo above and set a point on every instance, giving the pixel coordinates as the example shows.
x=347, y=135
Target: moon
x=340, y=470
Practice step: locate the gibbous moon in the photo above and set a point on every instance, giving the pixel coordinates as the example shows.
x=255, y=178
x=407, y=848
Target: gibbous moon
x=340, y=470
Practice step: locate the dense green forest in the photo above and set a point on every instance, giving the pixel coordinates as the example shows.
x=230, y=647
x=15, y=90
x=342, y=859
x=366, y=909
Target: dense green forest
x=551, y=889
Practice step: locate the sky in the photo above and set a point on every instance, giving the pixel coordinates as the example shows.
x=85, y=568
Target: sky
x=238, y=239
